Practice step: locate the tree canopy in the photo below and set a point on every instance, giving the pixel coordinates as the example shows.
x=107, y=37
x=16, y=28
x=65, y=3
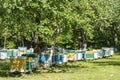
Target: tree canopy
x=64, y=23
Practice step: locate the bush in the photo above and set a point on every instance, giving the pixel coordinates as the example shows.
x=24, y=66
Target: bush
x=4, y=65
x=10, y=44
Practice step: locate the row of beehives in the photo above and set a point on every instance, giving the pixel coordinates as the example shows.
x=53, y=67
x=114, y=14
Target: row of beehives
x=29, y=62
x=64, y=56
x=7, y=53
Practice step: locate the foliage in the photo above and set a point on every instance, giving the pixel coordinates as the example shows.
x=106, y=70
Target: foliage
x=10, y=44
x=65, y=23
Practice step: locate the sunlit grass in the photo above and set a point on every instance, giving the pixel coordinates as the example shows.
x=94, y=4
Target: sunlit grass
x=101, y=69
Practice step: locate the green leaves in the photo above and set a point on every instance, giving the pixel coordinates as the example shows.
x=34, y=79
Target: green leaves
x=78, y=21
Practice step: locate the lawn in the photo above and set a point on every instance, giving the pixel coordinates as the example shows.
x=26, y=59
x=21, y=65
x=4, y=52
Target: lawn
x=101, y=69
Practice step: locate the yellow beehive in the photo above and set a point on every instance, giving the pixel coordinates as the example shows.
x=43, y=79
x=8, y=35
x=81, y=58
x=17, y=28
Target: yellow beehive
x=70, y=55
x=22, y=63
x=13, y=63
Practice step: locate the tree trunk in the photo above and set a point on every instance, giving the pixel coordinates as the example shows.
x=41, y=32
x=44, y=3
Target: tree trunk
x=113, y=35
x=35, y=38
x=22, y=41
x=84, y=41
x=56, y=33
x=5, y=42
x=35, y=43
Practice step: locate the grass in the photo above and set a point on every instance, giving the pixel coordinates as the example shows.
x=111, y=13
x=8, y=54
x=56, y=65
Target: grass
x=101, y=69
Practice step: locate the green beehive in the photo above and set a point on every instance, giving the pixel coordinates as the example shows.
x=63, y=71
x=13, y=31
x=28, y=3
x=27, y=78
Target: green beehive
x=89, y=55
x=29, y=64
x=9, y=53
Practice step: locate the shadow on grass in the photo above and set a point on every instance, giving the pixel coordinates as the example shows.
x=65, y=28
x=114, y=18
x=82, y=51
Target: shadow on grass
x=113, y=61
x=117, y=53
x=107, y=63
x=69, y=65
x=5, y=73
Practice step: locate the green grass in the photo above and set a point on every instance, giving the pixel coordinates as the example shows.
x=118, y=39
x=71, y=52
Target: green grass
x=101, y=69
